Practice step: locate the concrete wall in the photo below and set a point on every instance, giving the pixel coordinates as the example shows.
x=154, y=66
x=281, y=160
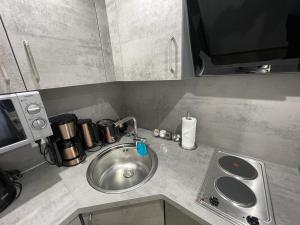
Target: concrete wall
x=89, y=101
x=254, y=115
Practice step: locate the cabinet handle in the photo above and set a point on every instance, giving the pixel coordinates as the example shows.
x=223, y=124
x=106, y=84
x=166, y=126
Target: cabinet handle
x=172, y=41
x=31, y=61
x=5, y=75
x=90, y=222
x=91, y=219
x=81, y=219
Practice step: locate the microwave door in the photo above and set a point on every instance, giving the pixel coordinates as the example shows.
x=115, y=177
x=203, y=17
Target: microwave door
x=14, y=131
x=8, y=132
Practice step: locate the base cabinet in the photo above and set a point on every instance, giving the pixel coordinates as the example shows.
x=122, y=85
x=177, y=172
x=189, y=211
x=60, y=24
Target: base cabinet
x=76, y=221
x=175, y=217
x=149, y=213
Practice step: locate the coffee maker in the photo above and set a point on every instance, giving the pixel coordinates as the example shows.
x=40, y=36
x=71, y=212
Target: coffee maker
x=66, y=147
x=89, y=133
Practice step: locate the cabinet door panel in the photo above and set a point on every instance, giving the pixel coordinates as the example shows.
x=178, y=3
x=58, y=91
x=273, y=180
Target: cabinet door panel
x=63, y=37
x=76, y=221
x=105, y=39
x=150, y=213
x=141, y=33
x=10, y=77
x=174, y=217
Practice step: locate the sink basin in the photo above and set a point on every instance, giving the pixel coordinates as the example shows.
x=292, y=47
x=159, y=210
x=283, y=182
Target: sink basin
x=120, y=168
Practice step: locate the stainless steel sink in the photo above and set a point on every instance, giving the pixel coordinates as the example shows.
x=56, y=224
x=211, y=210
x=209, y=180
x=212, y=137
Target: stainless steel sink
x=120, y=169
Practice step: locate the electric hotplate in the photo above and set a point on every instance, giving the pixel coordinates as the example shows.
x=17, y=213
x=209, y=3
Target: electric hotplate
x=238, y=167
x=235, y=191
x=235, y=187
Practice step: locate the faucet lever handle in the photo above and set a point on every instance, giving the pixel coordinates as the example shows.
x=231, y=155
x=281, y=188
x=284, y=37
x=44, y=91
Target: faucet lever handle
x=140, y=139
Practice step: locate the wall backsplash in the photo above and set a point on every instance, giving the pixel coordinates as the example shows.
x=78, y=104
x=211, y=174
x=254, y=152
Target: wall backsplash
x=90, y=101
x=253, y=115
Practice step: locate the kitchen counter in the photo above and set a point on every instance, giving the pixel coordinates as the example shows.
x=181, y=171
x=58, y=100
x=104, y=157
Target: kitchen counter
x=55, y=196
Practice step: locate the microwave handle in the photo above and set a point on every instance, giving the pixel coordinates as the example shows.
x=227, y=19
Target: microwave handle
x=31, y=61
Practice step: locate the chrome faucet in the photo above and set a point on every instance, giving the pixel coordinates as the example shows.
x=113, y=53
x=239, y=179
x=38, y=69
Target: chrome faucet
x=140, y=143
x=126, y=119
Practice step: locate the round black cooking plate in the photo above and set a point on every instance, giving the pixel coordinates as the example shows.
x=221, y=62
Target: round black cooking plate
x=238, y=167
x=235, y=191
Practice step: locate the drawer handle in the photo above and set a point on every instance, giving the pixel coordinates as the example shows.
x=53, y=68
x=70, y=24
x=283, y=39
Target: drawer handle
x=31, y=61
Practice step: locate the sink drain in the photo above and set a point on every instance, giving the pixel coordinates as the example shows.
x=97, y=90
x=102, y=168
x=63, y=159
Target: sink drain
x=128, y=173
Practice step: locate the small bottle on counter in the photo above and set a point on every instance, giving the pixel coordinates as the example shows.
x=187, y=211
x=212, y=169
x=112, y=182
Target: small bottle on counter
x=156, y=132
x=168, y=135
x=162, y=133
x=176, y=137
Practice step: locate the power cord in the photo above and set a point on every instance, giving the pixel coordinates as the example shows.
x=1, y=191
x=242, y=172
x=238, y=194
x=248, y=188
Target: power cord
x=19, y=186
x=15, y=175
x=45, y=151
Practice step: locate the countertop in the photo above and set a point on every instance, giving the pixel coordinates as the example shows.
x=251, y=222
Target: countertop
x=55, y=196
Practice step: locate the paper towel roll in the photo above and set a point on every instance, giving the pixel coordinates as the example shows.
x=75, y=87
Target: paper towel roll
x=188, y=132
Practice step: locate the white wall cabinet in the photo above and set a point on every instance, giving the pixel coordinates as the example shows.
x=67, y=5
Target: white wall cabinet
x=149, y=39
x=77, y=42
x=63, y=38
x=10, y=77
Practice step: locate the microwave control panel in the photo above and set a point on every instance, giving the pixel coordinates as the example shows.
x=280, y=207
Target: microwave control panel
x=35, y=113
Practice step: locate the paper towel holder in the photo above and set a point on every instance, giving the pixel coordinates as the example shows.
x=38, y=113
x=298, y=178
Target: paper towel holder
x=190, y=149
x=188, y=117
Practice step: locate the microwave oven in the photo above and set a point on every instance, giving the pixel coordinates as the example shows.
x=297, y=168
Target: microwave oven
x=23, y=120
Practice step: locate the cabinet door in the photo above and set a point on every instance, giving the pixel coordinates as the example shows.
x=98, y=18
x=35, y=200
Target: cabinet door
x=63, y=38
x=174, y=217
x=146, y=38
x=76, y=221
x=150, y=213
x=105, y=39
x=10, y=77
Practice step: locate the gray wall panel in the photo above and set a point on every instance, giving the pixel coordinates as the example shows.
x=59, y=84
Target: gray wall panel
x=254, y=115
